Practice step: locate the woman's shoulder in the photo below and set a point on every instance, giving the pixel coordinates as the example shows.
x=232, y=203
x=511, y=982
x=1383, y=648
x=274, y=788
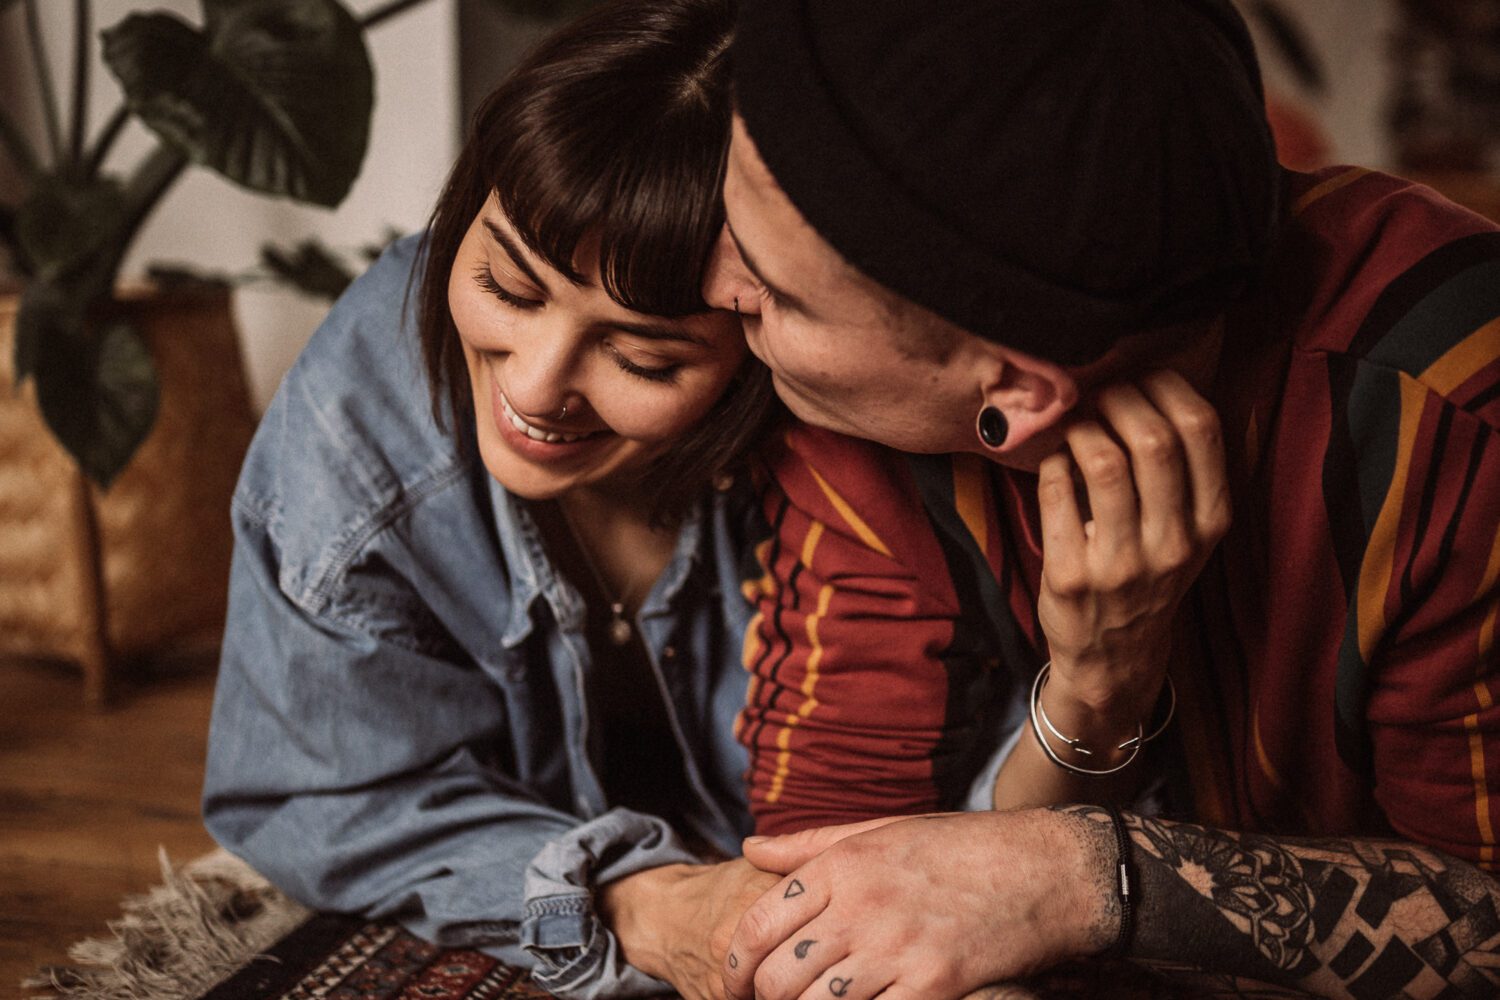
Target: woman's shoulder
x=355, y=408
x=349, y=446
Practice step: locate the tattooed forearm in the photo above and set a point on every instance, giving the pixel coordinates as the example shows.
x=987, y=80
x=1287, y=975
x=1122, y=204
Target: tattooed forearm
x=1334, y=917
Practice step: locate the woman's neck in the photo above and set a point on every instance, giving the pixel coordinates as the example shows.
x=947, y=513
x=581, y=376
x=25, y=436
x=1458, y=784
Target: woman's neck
x=617, y=541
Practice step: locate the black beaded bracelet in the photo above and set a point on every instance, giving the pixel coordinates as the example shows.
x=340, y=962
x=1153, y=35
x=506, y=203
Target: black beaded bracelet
x=1124, y=884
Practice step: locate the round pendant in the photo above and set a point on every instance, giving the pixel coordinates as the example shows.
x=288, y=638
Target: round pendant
x=619, y=631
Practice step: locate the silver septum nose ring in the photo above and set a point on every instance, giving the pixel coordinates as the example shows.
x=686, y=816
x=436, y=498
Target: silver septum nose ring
x=563, y=413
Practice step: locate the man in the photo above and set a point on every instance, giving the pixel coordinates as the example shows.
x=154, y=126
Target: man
x=1052, y=233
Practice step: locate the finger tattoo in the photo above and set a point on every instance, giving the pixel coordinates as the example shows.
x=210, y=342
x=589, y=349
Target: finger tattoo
x=838, y=987
x=794, y=890
x=734, y=960
x=802, y=946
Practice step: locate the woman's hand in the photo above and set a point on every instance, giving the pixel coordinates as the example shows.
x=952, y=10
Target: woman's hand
x=675, y=922
x=1112, y=577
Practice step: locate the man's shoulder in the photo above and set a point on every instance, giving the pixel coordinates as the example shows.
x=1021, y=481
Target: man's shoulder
x=1395, y=276
x=857, y=488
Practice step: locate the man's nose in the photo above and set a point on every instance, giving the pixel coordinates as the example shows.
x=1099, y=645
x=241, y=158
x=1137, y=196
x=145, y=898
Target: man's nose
x=727, y=283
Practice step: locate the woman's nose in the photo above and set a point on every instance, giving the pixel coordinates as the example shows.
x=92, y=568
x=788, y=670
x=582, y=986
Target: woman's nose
x=727, y=283
x=539, y=374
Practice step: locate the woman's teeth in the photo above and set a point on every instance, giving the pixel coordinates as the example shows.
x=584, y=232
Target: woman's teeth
x=534, y=433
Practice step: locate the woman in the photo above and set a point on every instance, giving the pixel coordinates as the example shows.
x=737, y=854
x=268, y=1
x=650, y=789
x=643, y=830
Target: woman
x=483, y=648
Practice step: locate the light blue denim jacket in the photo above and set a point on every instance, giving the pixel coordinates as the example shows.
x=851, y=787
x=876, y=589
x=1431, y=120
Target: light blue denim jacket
x=401, y=726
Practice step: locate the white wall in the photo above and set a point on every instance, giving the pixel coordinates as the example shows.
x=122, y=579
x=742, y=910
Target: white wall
x=1352, y=40
x=214, y=225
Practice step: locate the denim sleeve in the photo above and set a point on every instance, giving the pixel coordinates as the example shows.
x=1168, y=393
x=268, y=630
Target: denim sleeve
x=362, y=775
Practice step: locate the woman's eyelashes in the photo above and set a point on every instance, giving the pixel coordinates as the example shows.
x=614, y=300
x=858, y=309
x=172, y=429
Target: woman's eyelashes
x=487, y=282
x=665, y=374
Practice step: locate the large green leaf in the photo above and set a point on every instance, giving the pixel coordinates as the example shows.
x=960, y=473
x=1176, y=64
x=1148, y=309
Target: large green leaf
x=273, y=94
x=47, y=314
x=98, y=393
x=61, y=224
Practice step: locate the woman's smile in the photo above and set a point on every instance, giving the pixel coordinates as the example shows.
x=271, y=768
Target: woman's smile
x=538, y=444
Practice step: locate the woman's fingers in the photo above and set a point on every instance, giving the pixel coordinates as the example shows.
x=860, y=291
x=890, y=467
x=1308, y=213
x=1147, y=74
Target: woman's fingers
x=1197, y=426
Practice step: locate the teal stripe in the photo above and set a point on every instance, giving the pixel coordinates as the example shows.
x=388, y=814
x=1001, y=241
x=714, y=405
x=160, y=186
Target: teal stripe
x=1373, y=414
x=1441, y=320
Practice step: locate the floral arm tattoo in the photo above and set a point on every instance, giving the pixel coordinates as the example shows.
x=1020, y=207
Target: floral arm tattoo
x=1334, y=917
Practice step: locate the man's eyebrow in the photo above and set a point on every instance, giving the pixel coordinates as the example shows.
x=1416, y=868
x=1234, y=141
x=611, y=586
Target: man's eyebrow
x=516, y=257
x=783, y=298
x=651, y=331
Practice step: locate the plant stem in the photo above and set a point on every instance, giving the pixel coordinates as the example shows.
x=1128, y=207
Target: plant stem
x=150, y=181
x=390, y=9
x=105, y=142
x=44, y=80
x=82, y=31
x=18, y=147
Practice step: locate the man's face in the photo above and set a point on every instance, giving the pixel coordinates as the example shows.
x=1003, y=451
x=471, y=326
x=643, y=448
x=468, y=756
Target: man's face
x=845, y=353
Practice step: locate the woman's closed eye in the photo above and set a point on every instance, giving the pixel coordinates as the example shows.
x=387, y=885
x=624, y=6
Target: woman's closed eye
x=666, y=373
x=486, y=281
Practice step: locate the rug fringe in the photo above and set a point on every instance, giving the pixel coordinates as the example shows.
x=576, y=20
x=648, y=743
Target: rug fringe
x=178, y=940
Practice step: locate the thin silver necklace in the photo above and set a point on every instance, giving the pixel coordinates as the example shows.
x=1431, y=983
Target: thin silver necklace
x=619, y=629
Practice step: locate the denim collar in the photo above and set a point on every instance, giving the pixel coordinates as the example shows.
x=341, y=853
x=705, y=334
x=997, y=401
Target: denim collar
x=533, y=575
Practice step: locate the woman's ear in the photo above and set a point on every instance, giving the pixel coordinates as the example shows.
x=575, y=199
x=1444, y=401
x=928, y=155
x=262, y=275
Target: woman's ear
x=1021, y=397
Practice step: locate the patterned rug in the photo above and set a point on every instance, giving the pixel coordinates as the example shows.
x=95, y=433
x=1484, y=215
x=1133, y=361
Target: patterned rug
x=216, y=930
x=339, y=958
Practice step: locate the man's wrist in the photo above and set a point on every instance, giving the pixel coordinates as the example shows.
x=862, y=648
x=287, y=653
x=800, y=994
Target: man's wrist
x=1092, y=909
x=1098, y=718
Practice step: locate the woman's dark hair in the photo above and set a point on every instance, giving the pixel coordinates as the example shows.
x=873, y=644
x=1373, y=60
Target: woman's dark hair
x=614, y=129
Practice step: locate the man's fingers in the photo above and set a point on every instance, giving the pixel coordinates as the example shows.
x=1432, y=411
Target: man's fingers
x=1062, y=525
x=999, y=991
x=1158, y=469
x=1199, y=430
x=799, y=964
x=843, y=981
x=774, y=918
x=1106, y=474
x=783, y=855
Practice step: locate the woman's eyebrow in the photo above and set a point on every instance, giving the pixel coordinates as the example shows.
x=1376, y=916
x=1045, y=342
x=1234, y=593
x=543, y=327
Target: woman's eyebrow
x=516, y=257
x=653, y=332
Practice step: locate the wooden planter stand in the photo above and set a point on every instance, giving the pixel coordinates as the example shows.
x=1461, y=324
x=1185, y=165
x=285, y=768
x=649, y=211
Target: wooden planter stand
x=98, y=577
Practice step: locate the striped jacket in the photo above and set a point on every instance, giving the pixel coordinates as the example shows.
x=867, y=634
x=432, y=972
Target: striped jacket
x=1336, y=660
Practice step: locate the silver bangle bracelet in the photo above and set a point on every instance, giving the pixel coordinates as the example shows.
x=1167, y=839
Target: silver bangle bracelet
x=1134, y=744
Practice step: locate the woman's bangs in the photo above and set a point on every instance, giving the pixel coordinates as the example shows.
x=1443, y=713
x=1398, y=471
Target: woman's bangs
x=650, y=210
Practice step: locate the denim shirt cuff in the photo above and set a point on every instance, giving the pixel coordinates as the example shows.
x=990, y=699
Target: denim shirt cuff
x=576, y=956
x=981, y=795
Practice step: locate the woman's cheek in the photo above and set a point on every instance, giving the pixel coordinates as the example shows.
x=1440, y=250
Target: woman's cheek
x=660, y=419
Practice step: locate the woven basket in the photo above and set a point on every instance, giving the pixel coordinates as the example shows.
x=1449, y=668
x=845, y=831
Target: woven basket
x=98, y=577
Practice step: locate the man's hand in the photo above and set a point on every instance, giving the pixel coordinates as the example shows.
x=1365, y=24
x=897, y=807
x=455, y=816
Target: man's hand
x=935, y=906
x=675, y=922
x=1113, y=574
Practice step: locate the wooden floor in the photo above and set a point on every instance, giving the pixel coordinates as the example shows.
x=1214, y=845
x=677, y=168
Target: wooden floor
x=85, y=800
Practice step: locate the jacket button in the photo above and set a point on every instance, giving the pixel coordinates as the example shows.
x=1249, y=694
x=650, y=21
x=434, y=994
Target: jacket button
x=669, y=652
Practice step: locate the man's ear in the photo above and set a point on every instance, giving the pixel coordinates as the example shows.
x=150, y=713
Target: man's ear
x=1031, y=394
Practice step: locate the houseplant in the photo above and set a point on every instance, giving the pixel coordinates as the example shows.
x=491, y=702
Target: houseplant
x=273, y=94
x=109, y=549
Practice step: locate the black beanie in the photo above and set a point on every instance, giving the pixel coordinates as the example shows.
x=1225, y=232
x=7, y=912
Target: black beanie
x=1050, y=174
